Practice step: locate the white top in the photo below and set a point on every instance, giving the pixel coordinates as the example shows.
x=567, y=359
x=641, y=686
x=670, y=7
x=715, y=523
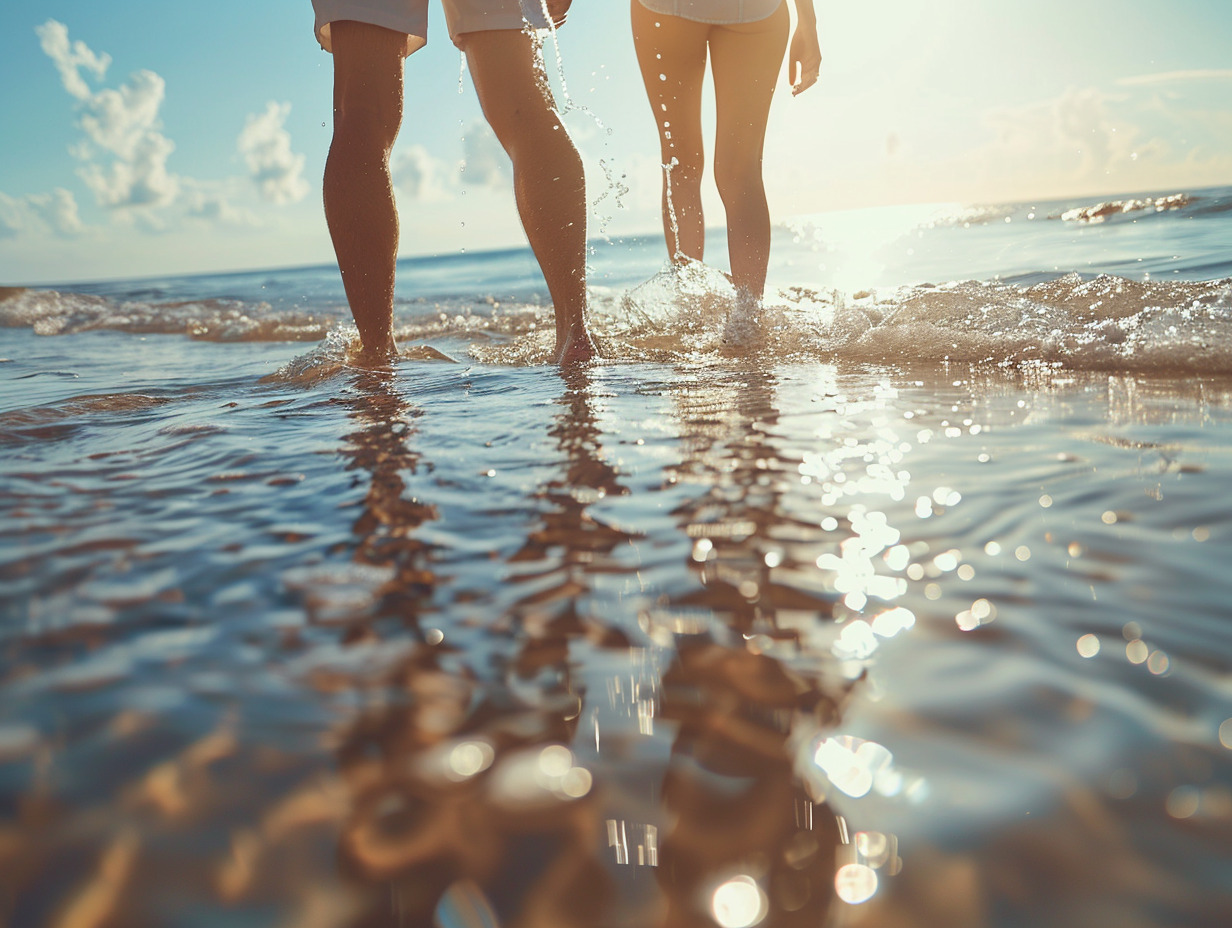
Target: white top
x=714, y=11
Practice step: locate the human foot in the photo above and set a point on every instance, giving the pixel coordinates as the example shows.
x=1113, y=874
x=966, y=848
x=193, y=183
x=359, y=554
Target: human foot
x=576, y=347
x=372, y=359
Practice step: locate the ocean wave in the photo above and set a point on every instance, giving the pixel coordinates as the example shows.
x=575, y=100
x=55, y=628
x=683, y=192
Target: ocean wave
x=339, y=354
x=1101, y=323
x=51, y=312
x=1099, y=212
x=693, y=313
x=61, y=419
x=1104, y=323
x=1136, y=208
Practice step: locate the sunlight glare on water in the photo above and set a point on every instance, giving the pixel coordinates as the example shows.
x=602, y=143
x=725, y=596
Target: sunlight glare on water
x=854, y=245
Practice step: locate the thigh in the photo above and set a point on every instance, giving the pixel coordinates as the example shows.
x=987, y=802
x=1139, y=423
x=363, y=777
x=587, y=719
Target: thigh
x=671, y=53
x=368, y=72
x=745, y=59
x=503, y=64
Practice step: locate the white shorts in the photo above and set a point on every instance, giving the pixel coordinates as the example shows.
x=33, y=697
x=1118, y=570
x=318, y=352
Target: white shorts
x=411, y=17
x=719, y=12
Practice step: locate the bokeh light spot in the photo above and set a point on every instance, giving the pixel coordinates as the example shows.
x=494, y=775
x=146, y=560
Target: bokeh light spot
x=576, y=783
x=739, y=903
x=470, y=758
x=1183, y=802
x=555, y=760
x=1157, y=663
x=855, y=883
x=1225, y=734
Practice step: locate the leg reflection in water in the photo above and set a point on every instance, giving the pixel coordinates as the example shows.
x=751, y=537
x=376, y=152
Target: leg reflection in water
x=480, y=793
x=386, y=525
x=746, y=845
x=468, y=806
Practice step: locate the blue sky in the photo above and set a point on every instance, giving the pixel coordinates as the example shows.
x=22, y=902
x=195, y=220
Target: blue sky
x=145, y=138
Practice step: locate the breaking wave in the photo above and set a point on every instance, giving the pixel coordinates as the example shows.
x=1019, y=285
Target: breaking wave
x=1087, y=323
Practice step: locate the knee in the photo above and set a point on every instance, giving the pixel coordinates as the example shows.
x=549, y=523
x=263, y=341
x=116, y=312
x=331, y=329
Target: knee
x=737, y=178
x=539, y=142
x=366, y=126
x=683, y=167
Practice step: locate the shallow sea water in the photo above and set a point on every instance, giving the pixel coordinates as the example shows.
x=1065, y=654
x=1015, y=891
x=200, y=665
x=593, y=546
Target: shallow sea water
x=727, y=630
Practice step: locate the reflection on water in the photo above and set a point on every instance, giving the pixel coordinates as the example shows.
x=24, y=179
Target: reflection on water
x=721, y=645
x=529, y=791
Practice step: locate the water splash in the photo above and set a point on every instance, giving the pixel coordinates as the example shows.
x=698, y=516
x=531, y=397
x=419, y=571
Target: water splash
x=677, y=255
x=570, y=105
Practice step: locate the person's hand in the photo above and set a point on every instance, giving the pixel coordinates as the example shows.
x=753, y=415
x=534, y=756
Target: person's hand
x=803, y=59
x=557, y=11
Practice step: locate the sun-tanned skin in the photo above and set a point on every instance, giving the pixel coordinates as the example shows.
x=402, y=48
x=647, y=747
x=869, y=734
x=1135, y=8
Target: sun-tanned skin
x=548, y=176
x=359, y=193
x=744, y=60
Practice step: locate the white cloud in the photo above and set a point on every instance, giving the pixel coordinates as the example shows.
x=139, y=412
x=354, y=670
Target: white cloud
x=1076, y=136
x=420, y=176
x=210, y=202
x=484, y=160
x=54, y=212
x=59, y=210
x=12, y=216
x=139, y=178
x=123, y=123
x=70, y=57
x=273, y=166
x=1085, y=140
x=1092, y=140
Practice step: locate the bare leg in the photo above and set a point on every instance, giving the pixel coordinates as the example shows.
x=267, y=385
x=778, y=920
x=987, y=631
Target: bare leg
x=359, y=195
x=745, y=61
x=549, y=182
x=671, y=53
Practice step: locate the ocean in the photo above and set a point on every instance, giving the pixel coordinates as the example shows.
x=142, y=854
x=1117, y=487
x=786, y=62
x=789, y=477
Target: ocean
x=901, y=600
